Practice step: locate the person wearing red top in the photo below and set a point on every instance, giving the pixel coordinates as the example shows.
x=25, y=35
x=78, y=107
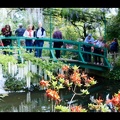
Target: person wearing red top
x=6, y=31
x=29, y=33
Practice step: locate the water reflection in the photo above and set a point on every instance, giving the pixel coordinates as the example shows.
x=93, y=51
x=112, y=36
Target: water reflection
x=37, y=101
x=26, y=102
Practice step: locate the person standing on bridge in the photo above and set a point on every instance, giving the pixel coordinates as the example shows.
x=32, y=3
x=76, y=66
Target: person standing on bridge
x=19, y=32
x=30, y=34
x=114, y=46
x=39, y=33
x=98, y=50
x=57, y=44
x=87, y=48
x=7, y=32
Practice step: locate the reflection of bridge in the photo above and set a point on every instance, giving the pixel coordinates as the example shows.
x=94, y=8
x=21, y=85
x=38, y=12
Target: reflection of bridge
x=75, y=53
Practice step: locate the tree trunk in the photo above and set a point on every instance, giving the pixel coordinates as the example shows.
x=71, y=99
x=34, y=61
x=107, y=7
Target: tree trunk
x=40, y=15
x=29, y=16
x=84, y=31
x=100, y=30
x=35, y=14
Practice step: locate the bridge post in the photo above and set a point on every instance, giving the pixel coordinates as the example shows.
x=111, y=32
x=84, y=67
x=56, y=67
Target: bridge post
x=19, y=52
x=50, y=43
x=80, y=54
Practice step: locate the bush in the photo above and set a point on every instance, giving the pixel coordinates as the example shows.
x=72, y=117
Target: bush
x=14, y=84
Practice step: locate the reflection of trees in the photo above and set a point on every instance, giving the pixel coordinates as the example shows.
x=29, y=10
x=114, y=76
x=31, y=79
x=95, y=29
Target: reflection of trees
x=30, y=102
x=33, y=102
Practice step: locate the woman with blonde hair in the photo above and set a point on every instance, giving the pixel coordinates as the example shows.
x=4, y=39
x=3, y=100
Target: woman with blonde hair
x=29, y=33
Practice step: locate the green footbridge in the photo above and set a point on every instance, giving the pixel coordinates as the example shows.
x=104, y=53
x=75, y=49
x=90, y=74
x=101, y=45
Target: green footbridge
x=73, y=50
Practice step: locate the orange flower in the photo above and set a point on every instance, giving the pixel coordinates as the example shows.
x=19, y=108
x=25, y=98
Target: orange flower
x=66, y=82
x=75, y=77
x=44, y=83
x=53, y=95
x=83, y=75
x=76, y=109
x=98, y=101
x=61, y=75
x=65, y=68
x=115, y=100
x=87, y=80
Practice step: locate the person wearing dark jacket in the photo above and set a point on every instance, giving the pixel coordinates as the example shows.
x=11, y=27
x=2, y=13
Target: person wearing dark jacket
x=114, y=47
x=39, y=33
x=6, y=31
x=19, y=32
x=57, y=44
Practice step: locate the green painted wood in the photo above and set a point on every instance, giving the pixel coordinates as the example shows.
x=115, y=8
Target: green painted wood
x=80, y=61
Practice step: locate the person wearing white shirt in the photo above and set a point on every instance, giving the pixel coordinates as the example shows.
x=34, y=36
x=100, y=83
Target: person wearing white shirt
x=89, y=39
x=39, y=33
x=98, y=50
x=29, y=33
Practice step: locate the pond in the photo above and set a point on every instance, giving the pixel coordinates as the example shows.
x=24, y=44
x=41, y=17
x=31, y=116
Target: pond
x=35, y=101
x=26, y=102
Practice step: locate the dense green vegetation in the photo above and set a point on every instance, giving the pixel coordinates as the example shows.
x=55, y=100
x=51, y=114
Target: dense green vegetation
x=75, y=23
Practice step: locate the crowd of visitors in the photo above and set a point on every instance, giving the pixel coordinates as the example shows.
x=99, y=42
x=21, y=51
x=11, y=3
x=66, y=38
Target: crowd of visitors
x=97, y=47
x=28, y=32
x=90, y=44
x=31, y=32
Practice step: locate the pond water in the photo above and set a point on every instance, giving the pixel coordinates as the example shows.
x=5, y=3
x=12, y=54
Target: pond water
x=37, y=101
x=26, y=102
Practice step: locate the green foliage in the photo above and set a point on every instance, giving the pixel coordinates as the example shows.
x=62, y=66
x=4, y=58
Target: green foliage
x=61, y=108
x=69, y=33
x=5, y=59
x=46, y=64
x=14, y=84
x=114, y=74
x=113, y=28
x=117, y=61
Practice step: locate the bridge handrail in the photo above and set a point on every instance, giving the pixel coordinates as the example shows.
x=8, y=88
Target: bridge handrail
x=51, y=40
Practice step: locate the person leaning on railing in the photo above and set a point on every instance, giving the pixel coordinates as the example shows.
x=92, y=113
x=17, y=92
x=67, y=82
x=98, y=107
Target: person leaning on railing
x=98, y=50
x=30, y=34
x=87, y=48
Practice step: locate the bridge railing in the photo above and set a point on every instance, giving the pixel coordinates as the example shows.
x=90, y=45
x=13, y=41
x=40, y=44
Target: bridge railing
x=76, y=49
